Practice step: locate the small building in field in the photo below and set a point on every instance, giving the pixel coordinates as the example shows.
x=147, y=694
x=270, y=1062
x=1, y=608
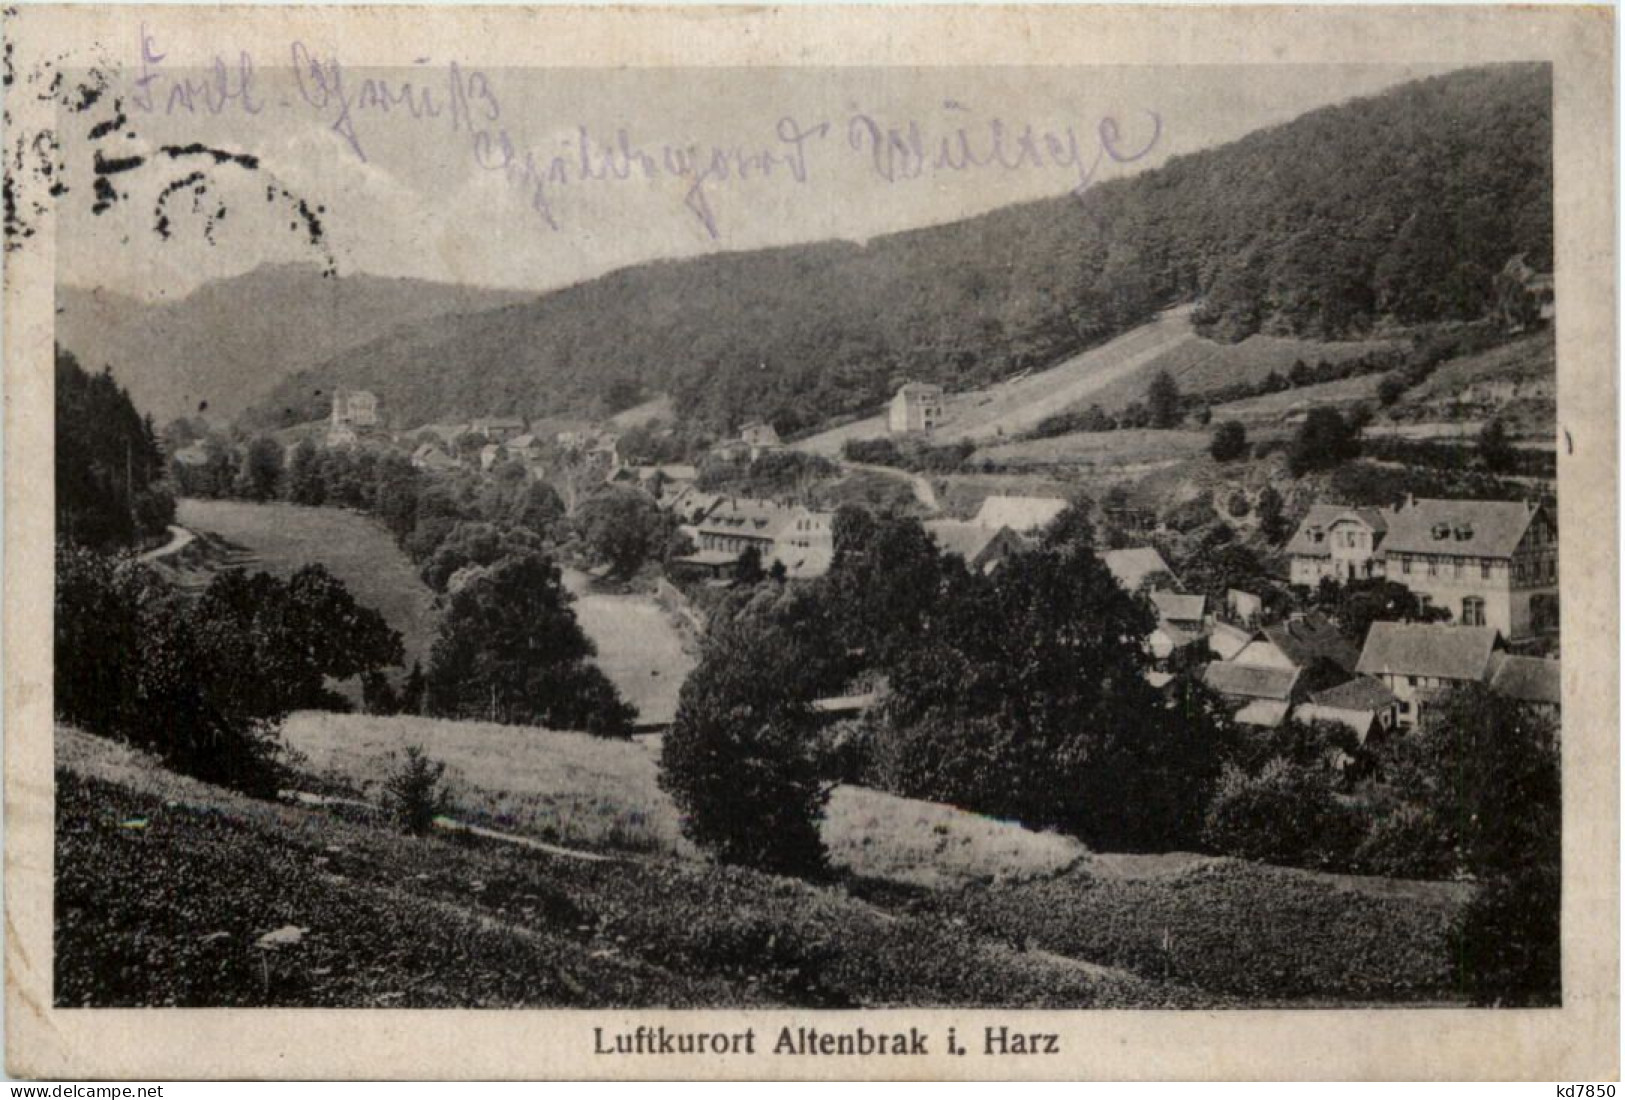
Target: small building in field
x=916, y=407
x=982, y=549
x=1023, y=515
x=434, y=459
x=1415, y=660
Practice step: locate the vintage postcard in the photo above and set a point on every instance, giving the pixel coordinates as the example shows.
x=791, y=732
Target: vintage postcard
x=726, y=542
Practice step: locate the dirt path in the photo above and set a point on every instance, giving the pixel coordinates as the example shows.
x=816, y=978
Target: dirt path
x=179, y=538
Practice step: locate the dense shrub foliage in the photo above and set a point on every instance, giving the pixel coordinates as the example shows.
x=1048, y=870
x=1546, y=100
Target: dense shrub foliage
x=203, y=684
x=510, y=650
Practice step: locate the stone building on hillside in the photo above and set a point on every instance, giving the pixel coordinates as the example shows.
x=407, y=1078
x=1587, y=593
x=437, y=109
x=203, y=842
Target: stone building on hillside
x=916, y=407
x=355, y=414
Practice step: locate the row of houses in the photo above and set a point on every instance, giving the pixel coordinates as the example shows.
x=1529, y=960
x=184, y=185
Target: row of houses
x=1488, y=563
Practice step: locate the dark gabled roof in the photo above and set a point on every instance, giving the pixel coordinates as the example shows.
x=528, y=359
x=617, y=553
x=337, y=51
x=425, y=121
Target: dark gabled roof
x=1312, y=637
x=1526, y=679
x=1361, y=693
x=1470, y=528
x=1428, y=649
x=1322, y=516
x=1245, y=681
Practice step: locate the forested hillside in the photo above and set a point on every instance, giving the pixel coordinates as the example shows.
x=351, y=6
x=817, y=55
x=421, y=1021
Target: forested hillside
x=1399, y=208
x=222, y=347
x=109, y=466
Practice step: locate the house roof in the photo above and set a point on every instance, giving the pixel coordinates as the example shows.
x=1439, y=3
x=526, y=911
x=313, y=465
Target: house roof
x=1307, y=638
x=1178, y=635
x=1244, y=681
x=919, y=389
x=1021, y=514
x=1264, y=712
x=1526, y=679
x=1134, y=565
x=968, y=540
x=1227, y=640
x=1178, y=607
x=746, y=517
x=526, y=440
x=1322, y=516
x=1428, y=649
x=1471, y=528
x=1361, y=693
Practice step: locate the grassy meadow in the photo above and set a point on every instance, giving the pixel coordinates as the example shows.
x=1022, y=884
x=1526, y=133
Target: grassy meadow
x=581, y=791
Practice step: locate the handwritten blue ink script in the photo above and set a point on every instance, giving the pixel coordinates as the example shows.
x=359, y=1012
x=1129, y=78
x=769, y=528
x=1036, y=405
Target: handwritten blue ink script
x=464, y=104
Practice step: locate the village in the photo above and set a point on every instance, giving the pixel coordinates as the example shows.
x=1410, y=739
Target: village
x=1483, y=572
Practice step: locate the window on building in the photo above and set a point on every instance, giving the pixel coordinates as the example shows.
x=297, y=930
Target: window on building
x=1472, y=611
x=1433, y=567
x=1484, y=569
x=1458, y=568
x=1410, y=680
x=1405, y=566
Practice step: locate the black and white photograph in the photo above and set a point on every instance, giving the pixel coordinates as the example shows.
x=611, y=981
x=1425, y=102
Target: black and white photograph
x=995, y=537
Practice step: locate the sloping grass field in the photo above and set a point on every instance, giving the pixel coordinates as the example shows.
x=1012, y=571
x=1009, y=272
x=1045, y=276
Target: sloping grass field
x=639, y=648
x=166, y=887
x=280, y=538
x=593, y=793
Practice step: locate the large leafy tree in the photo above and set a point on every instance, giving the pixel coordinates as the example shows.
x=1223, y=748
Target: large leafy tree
x=273, y=645
x=623, y=528
x=742, y=761
x=510, y=650
x=1483, y=775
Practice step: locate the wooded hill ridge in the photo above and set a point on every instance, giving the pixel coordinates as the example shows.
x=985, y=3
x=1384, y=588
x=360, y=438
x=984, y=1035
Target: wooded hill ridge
x=221, y=348
x=1391, y=210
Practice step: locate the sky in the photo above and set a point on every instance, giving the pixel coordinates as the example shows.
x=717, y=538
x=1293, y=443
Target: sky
x=495, y=190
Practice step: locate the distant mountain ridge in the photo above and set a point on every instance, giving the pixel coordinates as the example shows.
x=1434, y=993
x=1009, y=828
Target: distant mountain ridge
x=1392, y=210
x=228, y=343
